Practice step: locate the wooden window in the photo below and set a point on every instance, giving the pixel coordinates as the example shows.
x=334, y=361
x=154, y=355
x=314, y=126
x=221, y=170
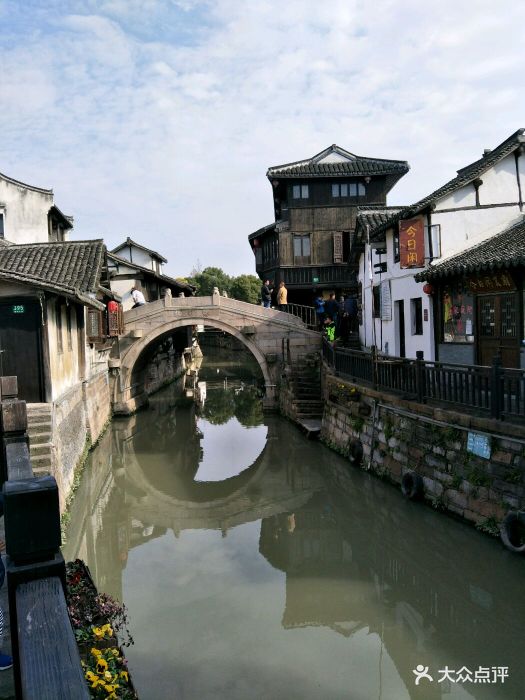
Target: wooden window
x=352, y=189
x=95, y=325
x=58, y=316
x=68, y=328
x=2, y=224
x=397, y=256
x=434, y=239
x=416, y=315
x=376, y=298
x=338, y=247
x=301, y=250
x=116, y=322
x=300, y=192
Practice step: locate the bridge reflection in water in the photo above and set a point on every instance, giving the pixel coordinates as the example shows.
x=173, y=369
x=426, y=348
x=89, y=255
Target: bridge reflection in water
x=362, y=586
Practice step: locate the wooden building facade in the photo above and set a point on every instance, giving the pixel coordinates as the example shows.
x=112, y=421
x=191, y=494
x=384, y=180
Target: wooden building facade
x=315, y=206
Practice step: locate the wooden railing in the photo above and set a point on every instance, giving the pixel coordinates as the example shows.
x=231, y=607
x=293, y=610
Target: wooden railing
x=494, y=391
x=45, y=654
x=305, y=313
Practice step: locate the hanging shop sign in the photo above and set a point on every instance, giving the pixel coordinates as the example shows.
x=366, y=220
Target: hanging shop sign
x=386, y=301
x=492, y=282
x=411, y=243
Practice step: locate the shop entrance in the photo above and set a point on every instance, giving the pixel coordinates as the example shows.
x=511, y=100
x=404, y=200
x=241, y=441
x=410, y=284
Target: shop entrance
x=498, y=329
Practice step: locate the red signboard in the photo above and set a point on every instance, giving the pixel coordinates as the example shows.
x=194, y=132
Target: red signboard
x=411, y=243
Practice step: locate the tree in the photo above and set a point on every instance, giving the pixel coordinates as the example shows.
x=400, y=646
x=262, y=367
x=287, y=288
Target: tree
x=246, y=288
x=209, y=278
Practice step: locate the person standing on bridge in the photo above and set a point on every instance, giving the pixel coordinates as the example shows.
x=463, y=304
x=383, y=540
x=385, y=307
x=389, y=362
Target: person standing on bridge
x=282, y=297
x=137, y=297
x=266, y=294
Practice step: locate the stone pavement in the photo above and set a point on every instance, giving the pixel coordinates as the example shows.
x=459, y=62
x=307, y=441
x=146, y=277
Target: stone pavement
x=7, y=688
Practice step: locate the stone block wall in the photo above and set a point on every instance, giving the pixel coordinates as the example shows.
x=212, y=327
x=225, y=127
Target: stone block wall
x=97, y=402
x=70, y=428
x=399, y=436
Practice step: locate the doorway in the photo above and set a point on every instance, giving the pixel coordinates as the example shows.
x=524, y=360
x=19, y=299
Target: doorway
x=498, y=329
x=21, y=347
x=400, y=328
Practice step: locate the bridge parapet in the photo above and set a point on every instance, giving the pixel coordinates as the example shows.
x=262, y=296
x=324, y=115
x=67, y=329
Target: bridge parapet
x=270, y=335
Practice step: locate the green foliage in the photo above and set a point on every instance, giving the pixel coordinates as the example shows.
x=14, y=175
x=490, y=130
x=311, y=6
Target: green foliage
x=357, y=424
x=249, y=407
x=207, y=279
x=246, y=288
x=490, y=526
x=219, y=407
x=456, y=481
x=514, y=476
x=478, y=477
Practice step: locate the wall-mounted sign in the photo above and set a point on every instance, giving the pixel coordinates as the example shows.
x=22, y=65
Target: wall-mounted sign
x=18, y=309
x=411, y=243
x=479, y=445
x=386, y=301
x=493, y=282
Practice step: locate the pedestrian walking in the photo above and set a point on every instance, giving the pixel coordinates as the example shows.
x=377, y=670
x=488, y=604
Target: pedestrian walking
x=282, y=297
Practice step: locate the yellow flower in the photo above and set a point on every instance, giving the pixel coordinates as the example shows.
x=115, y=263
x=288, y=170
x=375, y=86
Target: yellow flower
x=112, y=697
x=124, y=675
x=110, y=688
x=90, y=676
x=107, y=675
x=97, y=682
x=102, y=664
x=97, y=632
x=115, y=652
x=96, y=652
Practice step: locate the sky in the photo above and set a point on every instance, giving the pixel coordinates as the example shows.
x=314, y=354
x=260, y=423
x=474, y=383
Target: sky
x=158, y=119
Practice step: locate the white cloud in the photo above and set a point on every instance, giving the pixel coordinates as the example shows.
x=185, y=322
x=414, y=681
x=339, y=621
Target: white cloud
x=160, y=119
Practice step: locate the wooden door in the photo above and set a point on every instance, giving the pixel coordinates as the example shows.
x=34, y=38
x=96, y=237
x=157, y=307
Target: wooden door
x=21, y=347
x=498, y=327
x=400, y=330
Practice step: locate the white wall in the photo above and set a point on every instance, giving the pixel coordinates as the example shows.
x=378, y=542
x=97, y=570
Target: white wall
x=25, y=213
x=65, y=365
x=383, y=334
x=459, y=230
x=139, y=257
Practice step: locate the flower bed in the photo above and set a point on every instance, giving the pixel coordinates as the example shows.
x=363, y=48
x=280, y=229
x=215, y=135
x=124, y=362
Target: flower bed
x=342, y=393
x=96, y=619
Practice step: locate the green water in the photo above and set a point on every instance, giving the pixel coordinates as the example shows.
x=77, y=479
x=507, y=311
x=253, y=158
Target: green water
x=257, y=564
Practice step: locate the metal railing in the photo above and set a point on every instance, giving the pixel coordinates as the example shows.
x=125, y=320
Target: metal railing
x=495, y=391
x=46, y=659
x=305, y=313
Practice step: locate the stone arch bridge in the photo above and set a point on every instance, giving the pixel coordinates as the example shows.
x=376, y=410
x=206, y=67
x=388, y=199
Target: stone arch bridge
x=273, y=337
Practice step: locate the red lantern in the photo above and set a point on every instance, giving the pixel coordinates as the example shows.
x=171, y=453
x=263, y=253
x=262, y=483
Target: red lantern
x=112, y=307
x=428, y=288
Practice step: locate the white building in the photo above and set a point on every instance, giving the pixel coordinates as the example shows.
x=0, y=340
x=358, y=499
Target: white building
x=28, y=214
x=398, y=317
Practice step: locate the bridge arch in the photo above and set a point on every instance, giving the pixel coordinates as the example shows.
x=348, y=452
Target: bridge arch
x=123, y=393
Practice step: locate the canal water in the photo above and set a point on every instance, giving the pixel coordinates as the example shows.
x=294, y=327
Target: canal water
x=256, y=564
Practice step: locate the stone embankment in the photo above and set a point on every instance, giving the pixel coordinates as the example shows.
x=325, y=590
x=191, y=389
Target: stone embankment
x=390, y=437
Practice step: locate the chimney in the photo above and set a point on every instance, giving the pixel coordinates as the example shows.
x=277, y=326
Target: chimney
x=486, y=152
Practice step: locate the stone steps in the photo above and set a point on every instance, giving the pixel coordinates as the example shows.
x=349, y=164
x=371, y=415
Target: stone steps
x=40, y=432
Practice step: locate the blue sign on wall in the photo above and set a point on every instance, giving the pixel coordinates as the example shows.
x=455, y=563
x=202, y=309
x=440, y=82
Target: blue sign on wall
x=479, y=445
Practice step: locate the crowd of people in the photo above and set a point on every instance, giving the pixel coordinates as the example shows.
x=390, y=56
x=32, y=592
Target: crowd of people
x=335, y=319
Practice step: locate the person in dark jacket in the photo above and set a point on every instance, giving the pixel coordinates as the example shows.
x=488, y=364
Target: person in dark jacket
x=331, y=307
x=266, y=294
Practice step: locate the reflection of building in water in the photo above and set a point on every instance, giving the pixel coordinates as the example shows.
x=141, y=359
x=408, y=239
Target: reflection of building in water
x=143, y=483
x=351, y=566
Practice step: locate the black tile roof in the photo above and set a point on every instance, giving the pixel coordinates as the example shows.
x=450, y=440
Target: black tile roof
x=68, y=268
x=130, y=242
x=505, y=249
x=180, y=286
x=375, y=216
x=464, y=177
x=354, y=165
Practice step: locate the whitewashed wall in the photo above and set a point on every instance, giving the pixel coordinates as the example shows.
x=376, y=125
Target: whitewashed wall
x=460, y=229
x=25, y=213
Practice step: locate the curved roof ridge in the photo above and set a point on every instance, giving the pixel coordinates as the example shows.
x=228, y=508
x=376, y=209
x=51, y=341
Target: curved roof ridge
x=12, y=180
